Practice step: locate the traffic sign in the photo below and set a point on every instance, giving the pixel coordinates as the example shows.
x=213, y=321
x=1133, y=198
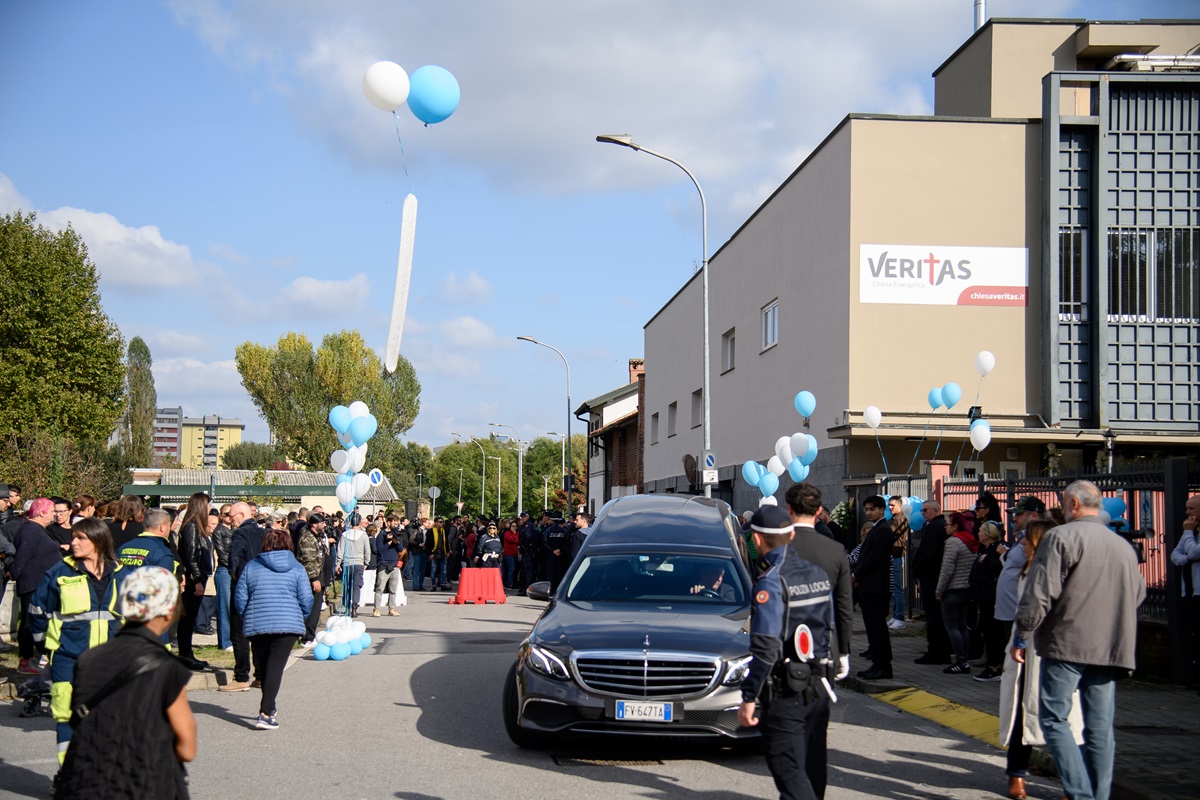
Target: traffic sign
x=435, y=492
x=708, y=460
x=710, y=477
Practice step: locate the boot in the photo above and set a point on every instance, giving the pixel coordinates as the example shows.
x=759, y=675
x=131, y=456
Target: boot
x=1016, y=787
x=375, y=613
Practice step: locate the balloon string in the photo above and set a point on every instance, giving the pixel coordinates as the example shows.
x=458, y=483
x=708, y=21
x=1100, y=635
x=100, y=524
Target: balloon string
x=403, y=163
x=941, y=430
x=921, y=442
x=960, y=452
x=881, y=455
x=973, y=452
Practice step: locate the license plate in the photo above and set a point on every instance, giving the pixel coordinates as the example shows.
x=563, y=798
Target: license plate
x=644, y=712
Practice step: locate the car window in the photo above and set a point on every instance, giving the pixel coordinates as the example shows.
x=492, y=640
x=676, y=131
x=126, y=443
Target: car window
x=657, y=578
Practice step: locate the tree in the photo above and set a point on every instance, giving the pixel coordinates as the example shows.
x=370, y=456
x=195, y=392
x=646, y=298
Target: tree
x=251, y=455
x=60, y=355
x=294, y=387
x=45, y=463
x=137, y=434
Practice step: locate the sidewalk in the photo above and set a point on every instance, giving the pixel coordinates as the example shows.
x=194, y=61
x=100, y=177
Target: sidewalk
x=1157, y=726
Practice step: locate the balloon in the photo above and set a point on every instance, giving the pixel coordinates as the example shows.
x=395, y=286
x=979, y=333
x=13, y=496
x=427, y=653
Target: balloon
x=339, y=418
x=1105, y=517
x=344, y=439
x=433, y=95
x=348, y=507
x=951, y=394
x=768, y=501
x=375, y=476
x=798, y=470
x=799, y=444
x=981, y=435
x=340, y=651
x=872, y=416
x=345, y=492
x=935, y=398
x=358, y=627
x=362, y=485
x=355, y=646
x=769, y=484
x=774, y=467
x=358, y=409
x=810, y=455
x=917, y=522
x=985, y=362
x=980, y=421
x=358, y=457
x=362, y=429
x=343, y=478
x=783, y=449
x=750, y=473
x=337, y=461
x=887, y=511
x=321, y=652
x=917, y=504
x=386, y=85
x=906, y=510
x=365, y=640
x=805, y=404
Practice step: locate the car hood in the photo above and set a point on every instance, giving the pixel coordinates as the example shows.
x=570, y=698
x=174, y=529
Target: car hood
x=622, y=626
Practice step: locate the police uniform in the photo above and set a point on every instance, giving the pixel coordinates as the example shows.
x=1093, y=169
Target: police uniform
x=72, y=611
x=791, y=676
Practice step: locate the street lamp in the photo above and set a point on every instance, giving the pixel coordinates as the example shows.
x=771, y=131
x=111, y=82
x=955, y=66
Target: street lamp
x=545, y=491
x=482, y=471
x=459, y=503
x=567, y=482
x=499, y=475
x=562, y=447
x=1110, y=439
x=625, y=140
x=520, y=466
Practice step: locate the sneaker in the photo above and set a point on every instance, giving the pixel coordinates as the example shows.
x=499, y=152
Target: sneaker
x=375, y=613
x=896, y=624
x=235, y=686
x=393, y=612
x=958, y=669
x=265, y=723
x=989, y=675
x=256, y=684
x=26, y=667
x=227, y=649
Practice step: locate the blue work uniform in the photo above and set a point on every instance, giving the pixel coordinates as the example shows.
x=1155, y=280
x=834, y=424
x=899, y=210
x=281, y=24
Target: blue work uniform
x=72, y=611
x=149, y=550
x=791, y=676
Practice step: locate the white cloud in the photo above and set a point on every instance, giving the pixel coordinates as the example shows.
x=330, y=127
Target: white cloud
x=472, y=289
x=12, y=200
x=170, y=344
x=327, y=299
x=229, y=253
x=469, y=332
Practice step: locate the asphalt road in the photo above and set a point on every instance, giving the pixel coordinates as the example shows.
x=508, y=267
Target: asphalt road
x=418, y=717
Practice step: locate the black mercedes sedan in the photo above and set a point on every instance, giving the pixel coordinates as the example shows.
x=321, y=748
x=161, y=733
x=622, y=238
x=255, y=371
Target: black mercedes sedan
x=648, y=633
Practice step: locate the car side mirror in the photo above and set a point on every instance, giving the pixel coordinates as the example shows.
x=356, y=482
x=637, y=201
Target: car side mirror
x=539, y=591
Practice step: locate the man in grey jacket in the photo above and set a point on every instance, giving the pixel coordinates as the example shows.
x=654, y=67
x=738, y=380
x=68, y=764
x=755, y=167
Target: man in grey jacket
x=1080, y=602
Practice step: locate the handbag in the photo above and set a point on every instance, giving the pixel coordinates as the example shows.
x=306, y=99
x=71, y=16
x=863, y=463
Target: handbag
x=210, y=587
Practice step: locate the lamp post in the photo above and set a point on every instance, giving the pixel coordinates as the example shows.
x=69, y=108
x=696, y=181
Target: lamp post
x=459, y=503
x=499, y=475
x=1110, y=439
x=545, y=491
x=482, y=471
x=563, y=447
x=567, y=482
x=520, y=466
x=625, y=140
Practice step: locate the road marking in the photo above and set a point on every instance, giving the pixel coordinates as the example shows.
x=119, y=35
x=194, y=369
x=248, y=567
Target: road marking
x=976, y=724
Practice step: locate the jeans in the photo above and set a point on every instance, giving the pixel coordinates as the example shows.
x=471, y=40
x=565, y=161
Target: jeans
x=437, y=572
x=1086, y=771
x=955, y=604
x=352, y=576
x=271, y=651
x=221, y=581
x=509, y=576
x=898, y=588
x=420, y=563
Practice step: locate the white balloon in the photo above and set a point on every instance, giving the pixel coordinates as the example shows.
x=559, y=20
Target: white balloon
x=330, y=623
x=799, y=445
x=344, y=439
x=359, y=628
x=872, y=416
x=768, y=501
x=362, y=485
x=338, y=460
x=907, y=510
x=981, y=436
x=345, y=493
x=358, y=409
x=985, y=362
x=386, y=85
x=1105, y=517
x=783, y=449
x=775, y=466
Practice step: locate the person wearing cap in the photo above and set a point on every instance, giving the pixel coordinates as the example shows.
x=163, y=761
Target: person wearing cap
x=490, y=547
x=787, y=689
x=1023, y=512
x=133, y=724
x=311, y=556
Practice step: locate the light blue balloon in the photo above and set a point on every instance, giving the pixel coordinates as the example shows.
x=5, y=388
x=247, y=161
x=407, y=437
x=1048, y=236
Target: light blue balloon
x=345, y=478
x=355, y=646
x=810, y=455
x=1115, y=507
x=768, y=485
x=981, y=421
x=805, y=404
x=916, y=504
x=917, y=522
x=887, y=509
x=365, y=641
x=321, y=652
x=750, y=473
x=339, y=418
x=348, y=507
x=362, y=429
x=798, y=470
x=340, y=651
x=935, y=398
x=433, y=94
x=951, y=394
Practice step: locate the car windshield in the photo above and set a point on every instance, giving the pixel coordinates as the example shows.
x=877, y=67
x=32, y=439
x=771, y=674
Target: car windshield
x=657, y=578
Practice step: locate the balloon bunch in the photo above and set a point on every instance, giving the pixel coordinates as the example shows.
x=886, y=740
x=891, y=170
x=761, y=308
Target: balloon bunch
x=354, y=426
x=432, y=93
x=911, y=511
x=343, y=637
x=873, y=416
x=981, y=429
x=793, y=454
x=1112, y=512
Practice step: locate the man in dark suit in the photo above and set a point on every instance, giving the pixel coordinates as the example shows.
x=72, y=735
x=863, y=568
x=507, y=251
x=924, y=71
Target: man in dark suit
x=927, y=566
x=871, y=578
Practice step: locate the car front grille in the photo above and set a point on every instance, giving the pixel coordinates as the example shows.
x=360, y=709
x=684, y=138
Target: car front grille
x=633, y=675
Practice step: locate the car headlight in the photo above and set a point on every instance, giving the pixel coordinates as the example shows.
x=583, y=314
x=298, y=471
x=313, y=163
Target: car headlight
x=546, y=663
x=736, y=670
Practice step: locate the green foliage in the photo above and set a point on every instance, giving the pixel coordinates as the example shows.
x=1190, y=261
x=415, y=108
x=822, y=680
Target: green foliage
x=251, y=455
x=259, y=478
x=402, y=463
x=60, y=355
x=45, y=463
x=138, y=431
x=294, y=387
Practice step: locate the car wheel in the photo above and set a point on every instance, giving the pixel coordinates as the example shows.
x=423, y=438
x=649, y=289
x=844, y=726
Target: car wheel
x=520, y=737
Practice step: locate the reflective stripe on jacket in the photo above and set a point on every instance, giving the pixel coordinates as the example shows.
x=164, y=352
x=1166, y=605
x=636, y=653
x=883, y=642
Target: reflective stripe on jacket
x=66, y=612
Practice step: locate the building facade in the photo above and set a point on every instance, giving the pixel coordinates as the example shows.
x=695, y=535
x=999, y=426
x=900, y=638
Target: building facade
x=204, y=440
x=614, y=440
x=1047, y=212
x=168, y=433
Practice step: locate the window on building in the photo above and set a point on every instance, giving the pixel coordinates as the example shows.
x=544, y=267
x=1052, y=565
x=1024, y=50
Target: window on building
x=594, y=442
x=727, y=351
x=1153, y=273
x=654, y=428
x=697, y=408
x=770, y=324
x=671, y=414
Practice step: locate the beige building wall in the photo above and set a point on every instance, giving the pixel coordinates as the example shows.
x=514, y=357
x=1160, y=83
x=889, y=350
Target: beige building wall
x=192, y=443
x=948, y=183
x=962, y=86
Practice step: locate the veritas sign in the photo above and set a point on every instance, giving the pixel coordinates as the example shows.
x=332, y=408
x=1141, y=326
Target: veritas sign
x=936, y=275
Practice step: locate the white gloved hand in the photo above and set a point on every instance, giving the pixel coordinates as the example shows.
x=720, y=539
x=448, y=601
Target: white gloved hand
x=843, y=667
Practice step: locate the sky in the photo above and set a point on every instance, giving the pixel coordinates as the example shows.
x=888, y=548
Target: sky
x=233, y=183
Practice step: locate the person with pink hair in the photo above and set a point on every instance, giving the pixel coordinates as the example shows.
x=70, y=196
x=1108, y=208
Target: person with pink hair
x=36, y=552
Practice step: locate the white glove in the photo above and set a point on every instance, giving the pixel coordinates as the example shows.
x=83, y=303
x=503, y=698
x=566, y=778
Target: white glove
x=843, y=668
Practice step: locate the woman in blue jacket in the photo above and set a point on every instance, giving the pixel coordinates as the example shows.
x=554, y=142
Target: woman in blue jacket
x=273, y=597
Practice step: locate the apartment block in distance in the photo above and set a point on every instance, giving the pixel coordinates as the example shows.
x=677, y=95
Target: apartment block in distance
x=204, y=440
x=168, y=433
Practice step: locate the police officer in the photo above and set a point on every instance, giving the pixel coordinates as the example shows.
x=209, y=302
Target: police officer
x=557, y=541
x=790, y=677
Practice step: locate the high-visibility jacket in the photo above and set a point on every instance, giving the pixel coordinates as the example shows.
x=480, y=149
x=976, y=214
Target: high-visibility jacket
x=73, y=610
